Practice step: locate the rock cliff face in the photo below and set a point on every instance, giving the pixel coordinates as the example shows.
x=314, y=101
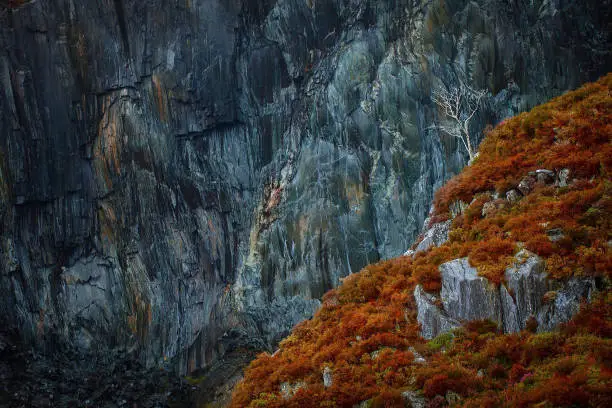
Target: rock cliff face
x=182, y=177
x=527, y=294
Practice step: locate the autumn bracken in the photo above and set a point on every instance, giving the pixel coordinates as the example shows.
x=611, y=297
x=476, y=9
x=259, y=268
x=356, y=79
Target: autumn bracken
x=366, y=331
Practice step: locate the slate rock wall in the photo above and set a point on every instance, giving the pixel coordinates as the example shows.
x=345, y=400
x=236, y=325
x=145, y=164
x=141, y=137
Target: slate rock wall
x=184, y=177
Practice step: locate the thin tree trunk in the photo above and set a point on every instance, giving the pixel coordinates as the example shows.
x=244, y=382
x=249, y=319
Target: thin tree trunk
x=468, y=143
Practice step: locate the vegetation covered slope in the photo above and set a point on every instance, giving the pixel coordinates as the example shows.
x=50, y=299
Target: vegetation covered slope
x=364, y=343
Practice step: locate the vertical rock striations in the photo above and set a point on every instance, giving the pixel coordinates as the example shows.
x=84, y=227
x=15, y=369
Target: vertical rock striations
x=183, y=177
x=526, y=294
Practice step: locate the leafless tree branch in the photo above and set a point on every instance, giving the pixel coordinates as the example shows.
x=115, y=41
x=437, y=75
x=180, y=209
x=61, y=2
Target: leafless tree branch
x=460, y=104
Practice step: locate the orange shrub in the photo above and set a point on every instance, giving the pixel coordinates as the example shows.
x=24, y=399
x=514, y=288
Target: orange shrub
x=366, y=332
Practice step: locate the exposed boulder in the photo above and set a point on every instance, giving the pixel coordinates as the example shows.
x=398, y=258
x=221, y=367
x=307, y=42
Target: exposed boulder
x=467, y=296
x=513, y=196
x=566, y=303
x=457, y=208
x=327, y=377
x=528, y=293
x=527, y=184
x=418, y=358
x=555, y=234
x=452, y=398
x=527, y=282
x=489, y=208
x=433, y=320
x=563, y=177
x=545, y=176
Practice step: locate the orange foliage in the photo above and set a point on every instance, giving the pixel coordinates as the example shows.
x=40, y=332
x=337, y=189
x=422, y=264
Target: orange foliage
x=571, y=132
x=366, y=332
x=562, y=369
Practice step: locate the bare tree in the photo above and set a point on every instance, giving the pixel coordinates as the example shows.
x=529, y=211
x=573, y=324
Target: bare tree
x=460, y=104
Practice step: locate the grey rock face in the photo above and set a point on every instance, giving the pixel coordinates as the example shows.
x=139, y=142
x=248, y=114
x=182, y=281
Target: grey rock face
x=513, y=196
x=433, y=320
x=413, y=400
x=527, y=282
x=527, y=184
x=564, y=175
x=434, y=236
x=566, y=303
x=466, y=296
x=545, y=176
x=174, y=174
x=327, y=377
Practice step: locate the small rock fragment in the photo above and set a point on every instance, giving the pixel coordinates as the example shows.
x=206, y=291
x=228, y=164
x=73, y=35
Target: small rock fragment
x=563, y=177
x=413, y=399
x=555, y=234
x=288, y=390
x=418, y=358
x=545, y=176
x=436, y=235
x=327, y=377
x=513, y=196
x=527, y=184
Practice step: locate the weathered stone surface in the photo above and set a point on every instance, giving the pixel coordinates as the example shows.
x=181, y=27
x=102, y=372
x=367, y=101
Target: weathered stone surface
x=527, y=184
x=288, y=390
x=176, y=176
x=418, y=358
x=436, y=235
x=413, y=399
x=491, y=207
x=527, y=282
x=545, y=176
x=457, y=208
x=566, y=303
x=432, y=319
x=529, y=285
x=410, y=252
x=452, y=398
x=564, y=177
x=555, y=234
x=327, y=377
x=466, y=296
x=513, y=196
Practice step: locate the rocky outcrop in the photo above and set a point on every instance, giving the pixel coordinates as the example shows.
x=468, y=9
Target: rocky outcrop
x=432, y=319
x=435, y=236
x=467, y=296
x=432, y=236
x=527, y=293
x=328, y=379
x=176, y=176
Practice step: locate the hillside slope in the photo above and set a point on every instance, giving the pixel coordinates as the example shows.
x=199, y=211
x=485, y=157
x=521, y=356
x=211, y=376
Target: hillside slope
x=185, y=178
x=541, y=186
